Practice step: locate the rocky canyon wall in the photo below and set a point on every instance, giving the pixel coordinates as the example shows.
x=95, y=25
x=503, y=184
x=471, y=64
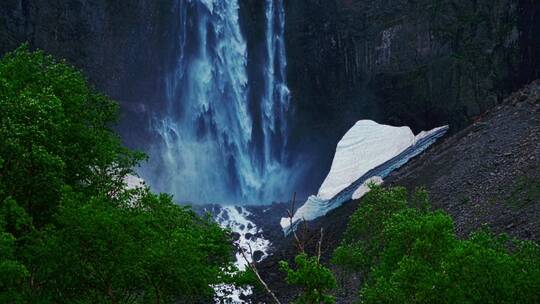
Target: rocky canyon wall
x=123, y=47
x=420, y=63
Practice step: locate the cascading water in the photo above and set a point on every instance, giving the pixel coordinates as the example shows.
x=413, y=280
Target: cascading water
x=276, y=96
x=208, y=147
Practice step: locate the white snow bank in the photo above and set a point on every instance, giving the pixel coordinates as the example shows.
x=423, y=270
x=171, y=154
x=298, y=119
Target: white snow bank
x=364, y=188
x=316, y=207
x=366, y=154
x=365, y=146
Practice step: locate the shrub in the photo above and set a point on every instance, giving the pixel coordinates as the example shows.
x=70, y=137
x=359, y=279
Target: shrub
x=154, y=252
x=315, y=280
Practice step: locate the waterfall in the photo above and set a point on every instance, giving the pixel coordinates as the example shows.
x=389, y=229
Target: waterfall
x=275, y=101
x=207, y=147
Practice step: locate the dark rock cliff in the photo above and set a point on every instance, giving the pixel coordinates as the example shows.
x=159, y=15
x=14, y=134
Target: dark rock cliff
x=124, y=47
x=421, y=63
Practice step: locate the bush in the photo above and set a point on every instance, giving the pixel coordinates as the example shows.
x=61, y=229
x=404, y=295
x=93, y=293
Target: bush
x=315, y=280
x=13, y=273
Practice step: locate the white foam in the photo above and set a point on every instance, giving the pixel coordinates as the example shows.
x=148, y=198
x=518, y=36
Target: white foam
x=250, y=239
x=237, y=219
x=228, y=293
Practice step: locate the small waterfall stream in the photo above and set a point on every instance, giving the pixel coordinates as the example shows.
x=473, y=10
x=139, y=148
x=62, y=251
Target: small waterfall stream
x=275, y=101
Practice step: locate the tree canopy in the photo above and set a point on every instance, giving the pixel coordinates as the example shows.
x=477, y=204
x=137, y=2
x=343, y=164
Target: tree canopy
x=70, y=230
x=406, y=253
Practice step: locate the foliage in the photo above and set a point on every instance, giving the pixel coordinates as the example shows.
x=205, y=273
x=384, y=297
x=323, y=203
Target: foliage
x=313, y=278
x=70, y=231
x=12, y=272
x=362, y=240
x=150, y=251
x=414, y=245
x=55, y=130
x=420, y=260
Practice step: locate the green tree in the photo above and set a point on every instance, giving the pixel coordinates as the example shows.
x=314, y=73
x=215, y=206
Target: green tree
x=315, y=280
x=418, y=258
x=147, y=251
x=55, y=130
x=70, y=231
x=423, y=262
x=13, y=273
x=415, y=244
x=362, y=241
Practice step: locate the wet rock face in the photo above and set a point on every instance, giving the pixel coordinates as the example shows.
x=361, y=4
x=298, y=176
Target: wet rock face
x=116, y=43
x=123, y=47
x=417, y=63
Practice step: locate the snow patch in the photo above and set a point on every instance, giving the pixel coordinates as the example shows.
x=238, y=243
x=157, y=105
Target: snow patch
x=366, y=154
x=358, y=193
x=365, y=146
